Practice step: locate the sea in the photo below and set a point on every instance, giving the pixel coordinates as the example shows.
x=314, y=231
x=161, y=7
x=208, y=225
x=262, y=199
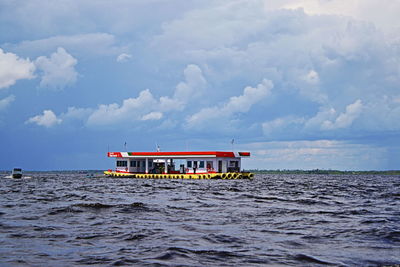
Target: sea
x=76, y=219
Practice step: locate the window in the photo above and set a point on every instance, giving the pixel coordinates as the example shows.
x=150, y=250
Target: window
x=133, y=163
x=138, y=164
x=201, y=165
x=210, y=165
x=150, y=164
x=122, y=163
x=189, y=164
x=233, y=164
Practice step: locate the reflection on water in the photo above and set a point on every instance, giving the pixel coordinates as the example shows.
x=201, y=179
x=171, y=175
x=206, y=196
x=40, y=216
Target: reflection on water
x=59, y=219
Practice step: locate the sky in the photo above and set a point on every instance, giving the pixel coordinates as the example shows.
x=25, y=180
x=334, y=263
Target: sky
x=301, y=84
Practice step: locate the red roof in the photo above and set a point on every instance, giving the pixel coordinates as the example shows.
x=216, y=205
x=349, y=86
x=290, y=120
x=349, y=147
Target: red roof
x=182, y=154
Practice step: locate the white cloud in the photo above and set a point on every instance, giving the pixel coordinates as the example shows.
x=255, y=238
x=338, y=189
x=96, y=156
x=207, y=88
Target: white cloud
x=318, y=154
x=283, y=127
x=48, y=119
x=346, y=118
x=193, y=86
x=251, y=95
x=152, y=116
x=132, y=109
x=5, y=102
x=124, y=57
x=74, y=113
x=89, y=44
x=236, y=104
x=380, y=115
x=33, y=18
x=383, y=13
x=326, y=120
x=316, y=122
x=58, y=70
x=146, y=107
x=339, y=55
x=312, y=77
x=189, y=90
x=13, y=68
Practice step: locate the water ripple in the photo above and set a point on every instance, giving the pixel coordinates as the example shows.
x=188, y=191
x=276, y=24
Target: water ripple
x=62, y=219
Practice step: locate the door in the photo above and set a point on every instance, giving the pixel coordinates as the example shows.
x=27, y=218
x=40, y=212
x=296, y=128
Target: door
x=219, y=165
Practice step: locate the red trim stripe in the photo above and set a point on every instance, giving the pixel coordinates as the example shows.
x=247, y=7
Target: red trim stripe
x=219, y=154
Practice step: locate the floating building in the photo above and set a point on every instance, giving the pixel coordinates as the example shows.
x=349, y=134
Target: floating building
x=175, y=165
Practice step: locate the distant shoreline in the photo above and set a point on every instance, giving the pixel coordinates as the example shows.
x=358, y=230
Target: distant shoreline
x=257, y=171
x=318, y=171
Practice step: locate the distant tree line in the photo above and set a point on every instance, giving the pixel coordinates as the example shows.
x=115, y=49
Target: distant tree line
x=318, y=171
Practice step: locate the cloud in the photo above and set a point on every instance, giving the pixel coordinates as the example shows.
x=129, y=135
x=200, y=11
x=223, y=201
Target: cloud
x=340, y=57
x=48, y=119
x=152, y=116
x=316, y=154
x=359, y=9
x=193, y=86
x=77, y=113
x=251, y=95
x=146, y=107
x=326, y=120
x=124, y=57
x=35, y=19
x=13, y=68
x=5, y=102
x=236, y=104
x=58, y=70
x=187, y=91
x=132, y=109
x=346, y=118
x=85, y=45
x=283, y=127
x=76, y=116
x=324, y=114
x=380, y=116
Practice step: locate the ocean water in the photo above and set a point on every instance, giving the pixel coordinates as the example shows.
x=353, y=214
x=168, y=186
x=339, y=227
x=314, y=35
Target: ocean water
x=64, y=219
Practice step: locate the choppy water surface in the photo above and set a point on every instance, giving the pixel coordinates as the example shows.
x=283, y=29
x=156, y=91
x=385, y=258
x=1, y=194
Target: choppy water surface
x=62, y=219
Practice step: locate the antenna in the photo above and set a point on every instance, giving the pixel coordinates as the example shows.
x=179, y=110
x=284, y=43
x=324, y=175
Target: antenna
x=157, y=147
